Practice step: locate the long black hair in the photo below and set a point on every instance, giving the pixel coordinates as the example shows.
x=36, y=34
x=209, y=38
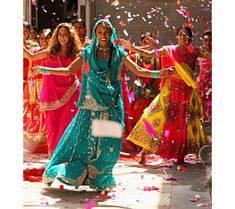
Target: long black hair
x=188, y=29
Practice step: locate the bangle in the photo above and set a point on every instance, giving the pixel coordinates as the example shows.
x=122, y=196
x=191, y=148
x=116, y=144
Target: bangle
x=155, y=74
x=44, y=70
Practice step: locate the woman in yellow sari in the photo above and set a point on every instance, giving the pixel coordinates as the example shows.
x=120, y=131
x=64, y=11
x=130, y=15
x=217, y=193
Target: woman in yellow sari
x=172, y=124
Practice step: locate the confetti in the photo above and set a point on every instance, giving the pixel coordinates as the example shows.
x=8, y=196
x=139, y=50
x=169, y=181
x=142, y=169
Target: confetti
x=132, y=96
x=194, y=200
x=156, y=52
x=91, y=204
x=181, y=168
x=208, y=91
x=122, y=23
x=137, y=82
x=149, y=128
x=202, y=205
x=106, y=17
x=166, y=23
x=115, y=3
x=144, y=19
x=167, y=133
x=150, y=188
x=125, y=32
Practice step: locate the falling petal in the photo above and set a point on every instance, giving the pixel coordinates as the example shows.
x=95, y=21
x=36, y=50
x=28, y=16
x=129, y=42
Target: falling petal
x=167, y=133
x=122, y=23
x=91, y=204
x=115, y=3
x=149, y=128
x=202, y=204
x=106, y=17
x=181, y=168
x=125, y=32
x=194, y=200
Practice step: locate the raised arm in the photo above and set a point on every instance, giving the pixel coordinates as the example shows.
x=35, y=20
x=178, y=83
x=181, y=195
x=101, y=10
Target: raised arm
x=36, y=56
x=143, y=72
x=70, y=70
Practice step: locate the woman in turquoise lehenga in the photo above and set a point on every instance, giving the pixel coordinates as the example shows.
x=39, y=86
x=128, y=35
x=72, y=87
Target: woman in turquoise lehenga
x=81, y=158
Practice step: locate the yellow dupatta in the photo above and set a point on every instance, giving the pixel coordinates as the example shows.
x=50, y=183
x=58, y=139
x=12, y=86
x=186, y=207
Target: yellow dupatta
x=186, y=73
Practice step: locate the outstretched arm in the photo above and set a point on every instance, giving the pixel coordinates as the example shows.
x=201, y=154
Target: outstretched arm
x=143, y=72
x=140, y=50
x=36, y=56
x=70, y=70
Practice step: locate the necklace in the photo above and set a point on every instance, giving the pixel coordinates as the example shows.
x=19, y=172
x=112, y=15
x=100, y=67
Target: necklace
x=103, y=50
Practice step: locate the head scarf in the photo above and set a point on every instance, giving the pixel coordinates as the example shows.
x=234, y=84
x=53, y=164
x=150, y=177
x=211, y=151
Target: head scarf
x=105, y=95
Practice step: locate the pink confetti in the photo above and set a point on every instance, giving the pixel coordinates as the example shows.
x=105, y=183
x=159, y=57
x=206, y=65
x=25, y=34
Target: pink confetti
x=106, y=17
x=91, y=204
x=132, y=96
x=167, y=133
x=166, y=23
x=202, y=204
x=156, y=52
x=122, y=23
x=151, y=188
x=149, y=128
x=114, y=196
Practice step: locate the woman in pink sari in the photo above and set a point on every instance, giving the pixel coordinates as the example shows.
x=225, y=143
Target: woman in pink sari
x=171, y=125
x=58, y=93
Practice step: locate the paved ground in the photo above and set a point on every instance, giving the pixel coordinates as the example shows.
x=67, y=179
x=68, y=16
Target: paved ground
x=138, y=187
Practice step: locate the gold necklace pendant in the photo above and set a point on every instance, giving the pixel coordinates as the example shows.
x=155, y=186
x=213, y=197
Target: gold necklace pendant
x=103, y=50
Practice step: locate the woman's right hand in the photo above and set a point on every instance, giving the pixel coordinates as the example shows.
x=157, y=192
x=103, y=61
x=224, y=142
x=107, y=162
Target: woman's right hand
x=166, y=72
x=126, y=44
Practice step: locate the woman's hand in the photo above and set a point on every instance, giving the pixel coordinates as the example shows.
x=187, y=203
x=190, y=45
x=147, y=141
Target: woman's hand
x=166, y=72
x=126, y=44
x=151, y=40
x=34, y=71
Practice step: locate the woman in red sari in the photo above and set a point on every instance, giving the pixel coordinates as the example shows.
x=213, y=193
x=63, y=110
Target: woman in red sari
x=58, y=93
x=35, y=136
x=171, y=126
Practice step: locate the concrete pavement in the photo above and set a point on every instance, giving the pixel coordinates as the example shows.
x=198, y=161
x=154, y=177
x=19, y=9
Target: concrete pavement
x=159, y=185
